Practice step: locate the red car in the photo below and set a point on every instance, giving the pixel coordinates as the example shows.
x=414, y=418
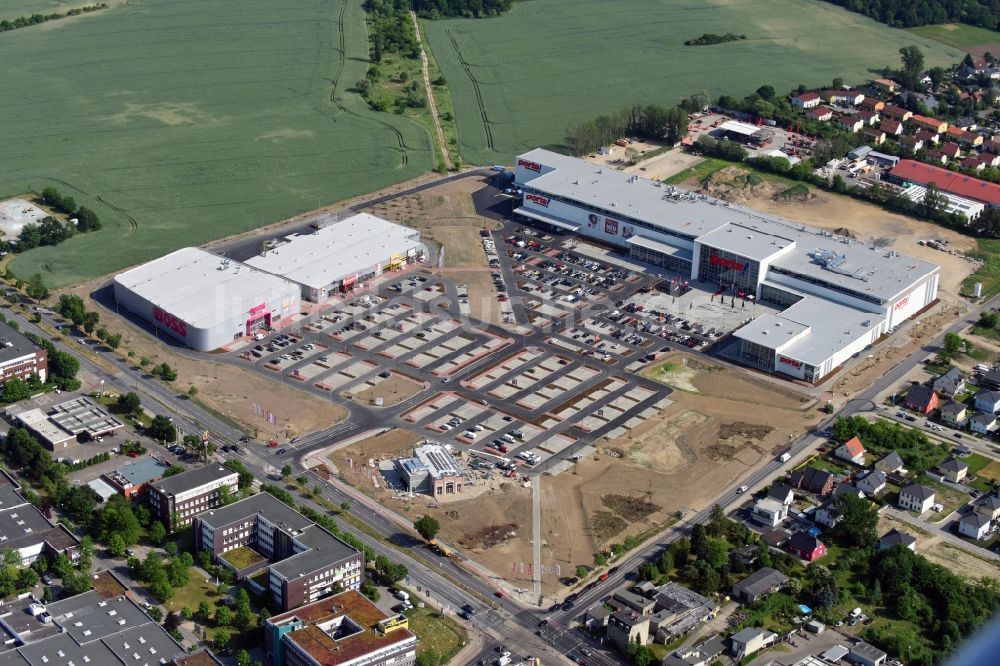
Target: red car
x=604, y=576
x=272, y=444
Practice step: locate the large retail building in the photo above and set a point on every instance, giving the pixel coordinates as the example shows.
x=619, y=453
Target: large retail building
x=840, y=295
x=203, y=300
x=339, y=256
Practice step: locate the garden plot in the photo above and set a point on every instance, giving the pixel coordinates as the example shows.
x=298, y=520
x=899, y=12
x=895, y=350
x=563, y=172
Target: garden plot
x=505, y=367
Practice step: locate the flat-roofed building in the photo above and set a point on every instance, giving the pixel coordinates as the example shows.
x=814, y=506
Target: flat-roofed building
x=432, y=470
x=306, y=562
x=19, y=356
x=132, y=478
x=342, y=630
x=176, y=499
x=338, y=257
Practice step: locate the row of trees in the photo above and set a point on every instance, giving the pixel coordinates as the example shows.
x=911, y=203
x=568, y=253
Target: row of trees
x=35, y=19
x=51, y=231
x=467, y=8
x=914, y=13
x=653, y=122
x=86, y=219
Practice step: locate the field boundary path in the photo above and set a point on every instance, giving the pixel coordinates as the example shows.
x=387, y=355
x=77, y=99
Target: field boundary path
x=442, y=146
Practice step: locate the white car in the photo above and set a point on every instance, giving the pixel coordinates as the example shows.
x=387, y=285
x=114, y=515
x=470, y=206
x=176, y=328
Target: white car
x=741, y=490
x=445, y=426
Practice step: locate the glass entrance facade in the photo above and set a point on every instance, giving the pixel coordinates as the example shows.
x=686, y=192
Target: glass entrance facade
x=727, y=269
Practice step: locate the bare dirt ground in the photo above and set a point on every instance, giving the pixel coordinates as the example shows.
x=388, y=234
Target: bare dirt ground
x=658, y=167
x=490, y=523
x=936, y=550
x=446, y=216
x=716, y=434
x=227, y=389
x=393, y=391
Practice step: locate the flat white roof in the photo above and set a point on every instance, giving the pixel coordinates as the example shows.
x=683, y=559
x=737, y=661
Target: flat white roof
x=340, y=250
x=548, y=219
x=202, y=288
x=746, y=242
x=866, y=270
x=737, y=127
x=39, y=421
x=437, y=460
x=817, y=329
x=662, y=248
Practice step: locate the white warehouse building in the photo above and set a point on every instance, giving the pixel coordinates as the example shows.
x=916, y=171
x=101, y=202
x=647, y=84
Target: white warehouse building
x=840, y=295
x=338, y=257
x=203, y=300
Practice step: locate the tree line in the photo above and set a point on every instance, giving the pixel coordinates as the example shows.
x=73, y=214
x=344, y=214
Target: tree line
x=913, y=13
x=467, y=8
x=51, y=231
x=712, y=38
x=35, y=19
x=653, y=122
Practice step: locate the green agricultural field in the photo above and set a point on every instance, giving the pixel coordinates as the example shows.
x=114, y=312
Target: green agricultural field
x=520, y=80
x=959, y=35
x=181, y=121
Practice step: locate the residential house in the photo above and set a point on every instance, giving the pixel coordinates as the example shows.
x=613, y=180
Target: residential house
x=826, y=514
x=750, y=641
x=806, y=546
x=896, y=113
x=777, y=537
x=964, y=137
x=950, y=383
x=851, y=123
x=864, y=654
x=782, y=492
x=953, y=469
x=843, y=97
x=874, y=135
x=988, y=159
x=847, y=489
x=954, y=413
x=758, y=585
x=852, y=451
x=896, y=538
x=913, y=143
x=678, y=611
x=700, y=655
x=807, y=100
x=812, y=480
x=892, y=463
x=991, y=379
x=933, y=124
x=886, y=85
x=983, y=422
x=974, y=525
x=971, y=162
x=988, y=401
x=820, y=113
x=921, y=399
x=927, y=136
x=988, y=505
x=891, y=127
x=967, y=123
x=769, y=512
x=746, y=556
x=951, y=149
x=871, y=483
x=937, y=157
x=872, y=104
x=870, y=118
x=993, y=146
x=916, y=498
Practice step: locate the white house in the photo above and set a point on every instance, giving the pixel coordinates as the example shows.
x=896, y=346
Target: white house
x=751, y=640
x=807, y=100
x=871, y=483
x=916, y=498
x=988, y=401
x=770, y=512
x=826, y=514
x=983, y=422
x=974, y=525
x=852, y=450
x=953, y=469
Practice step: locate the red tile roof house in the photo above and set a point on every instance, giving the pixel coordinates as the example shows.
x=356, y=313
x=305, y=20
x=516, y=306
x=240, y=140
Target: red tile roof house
x=921, y=399
x=928, y=136
x=896, y=112
x=872, y=104
x=989, y=159
x=911, y=171
x=870, y=117
x=912, y=142
x=992, y=146
x=932, y=124
x=806, y=547
x=820, y=113
x=972, y=162
x=964, y=137
x=852, y=450
x=851, y=123
x=875, y=135
x=806, y=100
x=951, y=149
x=890, y=126
x=937, y=156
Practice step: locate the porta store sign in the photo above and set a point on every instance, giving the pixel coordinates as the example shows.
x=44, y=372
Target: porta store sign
x=535, y=198
x=169, y=321
x=533, y=166
x=728, y=263
x=790, y=362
